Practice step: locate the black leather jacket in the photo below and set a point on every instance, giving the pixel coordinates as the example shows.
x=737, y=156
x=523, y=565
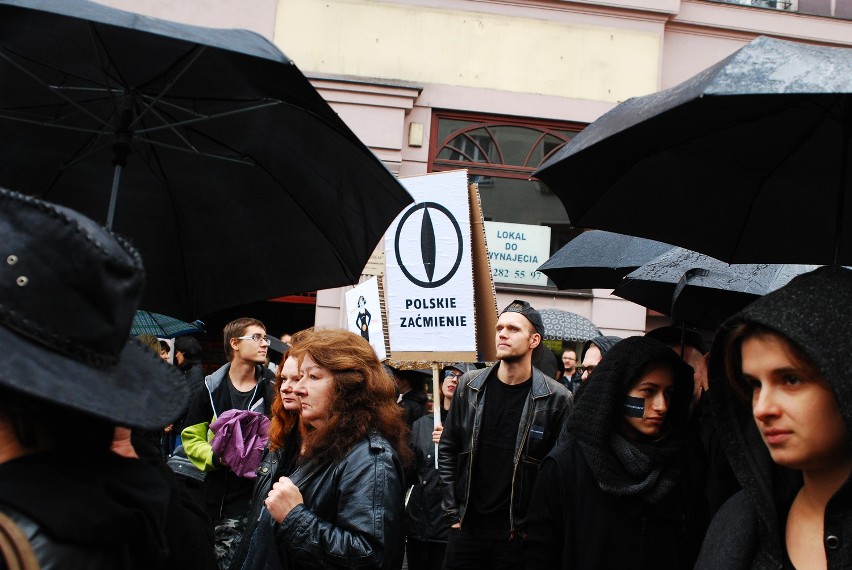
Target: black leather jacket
x=352, y=511
x=548, y=405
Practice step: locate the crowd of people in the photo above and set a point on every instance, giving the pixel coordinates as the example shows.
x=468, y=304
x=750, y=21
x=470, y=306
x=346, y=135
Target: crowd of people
x=648, y=452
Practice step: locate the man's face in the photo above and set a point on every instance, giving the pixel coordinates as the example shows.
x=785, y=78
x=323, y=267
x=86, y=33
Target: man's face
x=515, y=337
x=248, y=349
x=569, y=360
x=590, y=360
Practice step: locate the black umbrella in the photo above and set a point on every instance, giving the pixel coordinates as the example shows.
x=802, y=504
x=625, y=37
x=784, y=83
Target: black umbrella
x=567, y=326
x=702, y=291
x=748, y=161
x=207, y=148
x=599, y=259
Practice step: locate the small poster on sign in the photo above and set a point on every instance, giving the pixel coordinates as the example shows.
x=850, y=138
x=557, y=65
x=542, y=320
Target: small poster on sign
x=364, y=314
x=516, y=251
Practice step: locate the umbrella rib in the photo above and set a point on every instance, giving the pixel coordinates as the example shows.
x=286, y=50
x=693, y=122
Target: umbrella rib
x=196, y=52
x=52, y=90
x=200, y=118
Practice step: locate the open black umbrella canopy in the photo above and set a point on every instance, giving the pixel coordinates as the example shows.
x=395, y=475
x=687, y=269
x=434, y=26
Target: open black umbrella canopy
x=232, y=176
x=599, y=259
x=699, y=290
x=748, y=161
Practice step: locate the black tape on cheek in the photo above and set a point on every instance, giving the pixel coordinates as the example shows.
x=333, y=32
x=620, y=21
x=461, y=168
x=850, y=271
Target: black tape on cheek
x=634, y=407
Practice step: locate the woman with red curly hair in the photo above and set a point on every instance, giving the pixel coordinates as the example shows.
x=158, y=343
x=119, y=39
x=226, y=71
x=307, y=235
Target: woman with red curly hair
x=342, y=506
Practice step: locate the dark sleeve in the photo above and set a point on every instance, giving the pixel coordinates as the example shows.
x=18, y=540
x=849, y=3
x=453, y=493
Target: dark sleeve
x=548, y=519
x=188, y=529
x=367, y=527
x=732, y=539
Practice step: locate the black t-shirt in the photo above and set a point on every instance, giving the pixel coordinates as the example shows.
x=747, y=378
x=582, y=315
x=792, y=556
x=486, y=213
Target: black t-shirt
x=241, y=400
x=491, y=488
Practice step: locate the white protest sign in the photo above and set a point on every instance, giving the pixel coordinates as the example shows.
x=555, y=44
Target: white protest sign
x=429, y=272
x=516, y=251
x=364, y=314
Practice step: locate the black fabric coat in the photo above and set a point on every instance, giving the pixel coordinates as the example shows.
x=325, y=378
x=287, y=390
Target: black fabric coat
x=103, y=512
x=582, y=518
x=414, y=404
x=814, y=311
x=423, y=517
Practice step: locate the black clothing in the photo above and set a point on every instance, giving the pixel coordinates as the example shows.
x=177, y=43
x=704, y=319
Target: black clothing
x=193, y=371
x=276, y=463
x=604, y=500
x=573, y=382
x=814, y=311
x=573, y=524
x=543, y=421
x=425, y=530
x=467, y=551
x=491, y=484
x=414, y=404
x=423, y=521
x=101, y=511
x=352, y=511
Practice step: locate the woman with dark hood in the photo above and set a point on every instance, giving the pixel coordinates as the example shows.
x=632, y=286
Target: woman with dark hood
x=781, y=393
x=617, y=493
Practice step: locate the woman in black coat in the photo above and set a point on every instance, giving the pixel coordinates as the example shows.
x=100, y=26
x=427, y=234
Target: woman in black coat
x=617, y=493
x=425, y=529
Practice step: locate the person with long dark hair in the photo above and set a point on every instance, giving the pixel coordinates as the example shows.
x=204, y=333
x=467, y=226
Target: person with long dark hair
x=618, y=493
x=781, y=394
x=342, y=506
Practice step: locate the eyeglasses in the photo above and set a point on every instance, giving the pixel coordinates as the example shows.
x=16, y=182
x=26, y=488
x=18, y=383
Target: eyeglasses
x=256, y=337
x=451, y=374
x=589, y=369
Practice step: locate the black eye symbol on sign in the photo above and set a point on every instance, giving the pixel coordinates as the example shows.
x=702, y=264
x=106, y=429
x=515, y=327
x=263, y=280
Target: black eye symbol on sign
x=428, y=246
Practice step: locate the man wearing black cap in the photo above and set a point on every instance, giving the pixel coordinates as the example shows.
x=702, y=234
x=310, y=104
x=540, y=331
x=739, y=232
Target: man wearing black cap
x=491, y=446
x=71, y=375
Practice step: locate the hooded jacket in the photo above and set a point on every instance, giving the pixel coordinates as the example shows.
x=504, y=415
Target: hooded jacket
x=602, y=500
x=814, y=311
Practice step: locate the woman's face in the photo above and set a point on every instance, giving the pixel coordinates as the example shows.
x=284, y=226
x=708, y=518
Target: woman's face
x=289, y=376
x=655, y=388
x=793, y=406
x=451, y=382
x=179, y=358
x=315, y=389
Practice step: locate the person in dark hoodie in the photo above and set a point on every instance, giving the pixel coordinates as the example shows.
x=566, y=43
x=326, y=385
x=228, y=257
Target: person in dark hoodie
x=617, y=493
x=781, y=393
x=69, y=477
x=425, y=529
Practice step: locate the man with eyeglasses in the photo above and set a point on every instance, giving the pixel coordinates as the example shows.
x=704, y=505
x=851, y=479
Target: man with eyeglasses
x=243, y=383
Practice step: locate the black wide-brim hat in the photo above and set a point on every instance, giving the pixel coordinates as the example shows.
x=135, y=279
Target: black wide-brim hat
x=68, y=291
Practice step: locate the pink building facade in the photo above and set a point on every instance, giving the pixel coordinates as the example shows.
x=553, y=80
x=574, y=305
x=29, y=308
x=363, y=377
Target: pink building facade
x=494, y=86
